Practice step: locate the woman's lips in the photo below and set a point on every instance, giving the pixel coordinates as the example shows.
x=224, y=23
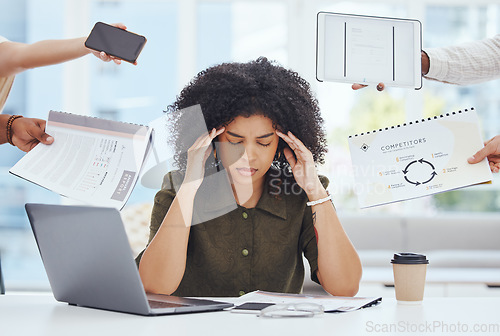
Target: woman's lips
x=246, y=171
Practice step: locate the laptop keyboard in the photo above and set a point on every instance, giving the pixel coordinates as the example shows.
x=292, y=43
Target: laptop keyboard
x=163, y=304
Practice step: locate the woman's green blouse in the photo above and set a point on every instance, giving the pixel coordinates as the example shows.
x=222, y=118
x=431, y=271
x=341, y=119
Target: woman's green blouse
x=243, y=249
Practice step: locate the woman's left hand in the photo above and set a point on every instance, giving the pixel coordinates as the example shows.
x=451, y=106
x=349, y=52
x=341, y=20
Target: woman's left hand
x=303, y=166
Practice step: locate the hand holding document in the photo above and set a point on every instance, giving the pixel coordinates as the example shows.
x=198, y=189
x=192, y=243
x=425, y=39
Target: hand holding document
x=417, y=159
x=92, y=160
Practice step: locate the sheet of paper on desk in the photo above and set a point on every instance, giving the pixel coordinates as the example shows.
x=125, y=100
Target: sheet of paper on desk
x=417, y=159
x=92, y=160
x=329, y=303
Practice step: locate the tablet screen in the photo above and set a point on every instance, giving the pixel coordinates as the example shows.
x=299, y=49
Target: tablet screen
x=368, y=50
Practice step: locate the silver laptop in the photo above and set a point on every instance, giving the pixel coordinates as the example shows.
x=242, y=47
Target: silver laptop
x=89, y=262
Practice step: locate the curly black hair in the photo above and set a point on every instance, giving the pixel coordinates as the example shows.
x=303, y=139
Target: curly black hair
x=261, y=87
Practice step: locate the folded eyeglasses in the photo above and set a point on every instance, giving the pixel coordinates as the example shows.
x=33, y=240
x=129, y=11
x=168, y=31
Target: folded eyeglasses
x=303, y=309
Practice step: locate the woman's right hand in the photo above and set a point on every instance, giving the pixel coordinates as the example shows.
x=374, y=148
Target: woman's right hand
x=197, y=156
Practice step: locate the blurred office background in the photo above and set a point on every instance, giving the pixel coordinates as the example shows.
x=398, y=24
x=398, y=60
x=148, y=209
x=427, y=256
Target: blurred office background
x=186, y=36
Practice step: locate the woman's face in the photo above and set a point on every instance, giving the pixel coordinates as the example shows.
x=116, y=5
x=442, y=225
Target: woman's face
x=247, y=148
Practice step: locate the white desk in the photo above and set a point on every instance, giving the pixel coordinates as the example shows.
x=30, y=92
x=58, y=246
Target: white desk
x=40, y=314
x=441, y=275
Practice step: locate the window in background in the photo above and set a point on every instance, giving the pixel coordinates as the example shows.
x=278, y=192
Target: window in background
x=185, y=37
x=449, y=25
x=31, y=95
x=222, y=32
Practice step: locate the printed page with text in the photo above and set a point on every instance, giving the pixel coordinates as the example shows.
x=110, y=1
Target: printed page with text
x=92, y=160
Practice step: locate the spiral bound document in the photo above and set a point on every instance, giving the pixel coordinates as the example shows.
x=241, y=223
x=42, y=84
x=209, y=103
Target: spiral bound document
x=418, y=158
x=93, y=160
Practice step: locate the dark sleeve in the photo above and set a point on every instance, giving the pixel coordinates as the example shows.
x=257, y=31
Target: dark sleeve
x=309, y=242
x=163, y=200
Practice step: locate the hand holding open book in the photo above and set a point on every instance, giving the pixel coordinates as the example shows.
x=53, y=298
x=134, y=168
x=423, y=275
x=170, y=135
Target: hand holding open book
x=92, y=160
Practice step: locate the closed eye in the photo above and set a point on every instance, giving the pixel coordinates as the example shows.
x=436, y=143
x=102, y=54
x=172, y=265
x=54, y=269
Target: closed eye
x=264, y=145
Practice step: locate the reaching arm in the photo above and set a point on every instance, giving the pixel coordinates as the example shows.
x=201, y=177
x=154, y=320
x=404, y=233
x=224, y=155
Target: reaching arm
x=463, y=64
x=16, y=57
x=163, y=262
x=339, y=266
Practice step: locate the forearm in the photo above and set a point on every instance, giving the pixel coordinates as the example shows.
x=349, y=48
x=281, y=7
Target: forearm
x=164, y=261
x=467, y=63
x=17, y=57
x=3, y=128
x=339, y=266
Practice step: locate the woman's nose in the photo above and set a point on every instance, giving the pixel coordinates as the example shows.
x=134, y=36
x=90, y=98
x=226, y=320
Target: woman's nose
x=250, y=153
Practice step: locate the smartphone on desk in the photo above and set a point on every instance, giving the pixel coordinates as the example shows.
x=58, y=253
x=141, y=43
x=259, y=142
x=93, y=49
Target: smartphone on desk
x=115, y=42
x=251, y=307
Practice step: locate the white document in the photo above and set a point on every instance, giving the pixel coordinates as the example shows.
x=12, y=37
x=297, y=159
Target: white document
x=368, y=50
x=417, y=159
x=329, y=303
x=92, y=160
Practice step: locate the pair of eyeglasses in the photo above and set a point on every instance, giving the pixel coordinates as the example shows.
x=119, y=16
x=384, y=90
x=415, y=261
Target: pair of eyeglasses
x=292, y=310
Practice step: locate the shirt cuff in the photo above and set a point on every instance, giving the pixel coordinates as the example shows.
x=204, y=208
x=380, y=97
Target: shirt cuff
x=438, y=64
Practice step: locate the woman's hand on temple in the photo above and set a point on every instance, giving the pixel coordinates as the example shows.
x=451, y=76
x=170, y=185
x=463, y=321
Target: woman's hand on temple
x=197, y=156
x=302, y=164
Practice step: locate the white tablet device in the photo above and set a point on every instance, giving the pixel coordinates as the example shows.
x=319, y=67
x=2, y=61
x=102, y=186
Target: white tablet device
x=368, y=50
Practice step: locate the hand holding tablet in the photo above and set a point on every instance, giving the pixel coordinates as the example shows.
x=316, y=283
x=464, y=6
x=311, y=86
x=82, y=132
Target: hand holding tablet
x=368, y=50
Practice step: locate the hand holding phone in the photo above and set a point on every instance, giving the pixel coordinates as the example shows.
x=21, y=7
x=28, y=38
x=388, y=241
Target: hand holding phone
x=115, y=42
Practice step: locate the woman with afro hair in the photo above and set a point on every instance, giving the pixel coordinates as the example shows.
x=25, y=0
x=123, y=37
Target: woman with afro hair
x=266, y=129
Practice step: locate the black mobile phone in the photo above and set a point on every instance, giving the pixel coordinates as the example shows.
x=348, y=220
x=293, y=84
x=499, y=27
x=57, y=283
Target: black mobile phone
x=115, y=42
x=251, y=307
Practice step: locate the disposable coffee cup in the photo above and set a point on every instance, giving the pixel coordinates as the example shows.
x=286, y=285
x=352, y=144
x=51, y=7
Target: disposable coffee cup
x=409, y=277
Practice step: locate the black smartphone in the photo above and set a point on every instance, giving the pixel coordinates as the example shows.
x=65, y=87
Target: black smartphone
x=115, y=42
x=251, y=307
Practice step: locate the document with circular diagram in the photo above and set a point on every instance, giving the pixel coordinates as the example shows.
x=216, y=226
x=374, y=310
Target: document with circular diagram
x=418, y=158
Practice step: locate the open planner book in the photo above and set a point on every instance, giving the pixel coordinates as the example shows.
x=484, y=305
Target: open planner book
x=92, y=160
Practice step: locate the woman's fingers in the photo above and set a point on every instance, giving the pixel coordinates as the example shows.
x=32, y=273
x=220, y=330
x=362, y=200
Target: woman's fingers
x=296, y=145
x=202, y=144
x=205, y=139
x=197, y=156
x=289, y=157
x=287, y=139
